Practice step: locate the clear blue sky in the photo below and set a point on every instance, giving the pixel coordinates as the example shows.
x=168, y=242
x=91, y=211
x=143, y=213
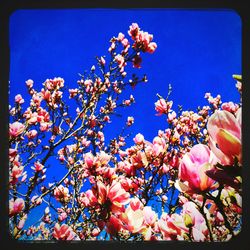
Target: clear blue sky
x=198, y=51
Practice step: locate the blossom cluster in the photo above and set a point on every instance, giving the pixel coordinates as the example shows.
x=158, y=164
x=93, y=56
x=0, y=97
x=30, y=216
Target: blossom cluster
x=184, y=185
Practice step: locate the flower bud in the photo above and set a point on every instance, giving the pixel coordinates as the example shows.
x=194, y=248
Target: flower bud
x=188, y=220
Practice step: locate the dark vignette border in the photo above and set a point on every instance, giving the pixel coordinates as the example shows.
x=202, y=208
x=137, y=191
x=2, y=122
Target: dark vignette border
x=8, y=7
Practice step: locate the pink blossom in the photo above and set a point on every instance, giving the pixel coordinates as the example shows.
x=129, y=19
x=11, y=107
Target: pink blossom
x=113, y=194
x=85, y=142
x=43, y=115
x=62, y=216
x=102, y=61
x=225, y=135
x=164, y=169
x=198, y=223
x=54, y=84
x=120, y=60
x=130, y=120
x=150, y=216
x=16, y=206
x=19, y=99
x=160, y=141
x=31, y=134
x=172, y=226
x=112, y=47
x=171, y=116
x=61, y=193
x=12, y=154
x=207, y=95
x=88, y=85
x=142, y=39
x=229, y=106
x=103, y=158
x=109, y=173
x=36, y=99
x=31, y=117
x=16, y=129
x=193, y=166
x=95, y=232
x=125, y=43
x=16, y=172
x=132, y=219
x=36, y=200
x=163, y=107
x=127, y=102
x=128, y=184
x=38, y=167
x=191, y=209
x=139, y=139
x=89, y=160
x=113, y=225
x=73, y=93
x=139, y=159
x=46, y=95
x=133, y=30
x=176, y=136
x=44, y=126
x=91, y=197
x=63, y=232
x=157, y=149
x=126, y=167
x=120, y=37
x=151, y=47
x=29, y=83
x=135, y=203
x=22, y=222
x=100, y=136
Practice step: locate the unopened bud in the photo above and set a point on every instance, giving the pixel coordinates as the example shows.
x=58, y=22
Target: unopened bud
x=188, y=220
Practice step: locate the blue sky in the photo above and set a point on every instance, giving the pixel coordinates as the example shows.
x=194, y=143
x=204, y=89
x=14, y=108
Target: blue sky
x=198, y=51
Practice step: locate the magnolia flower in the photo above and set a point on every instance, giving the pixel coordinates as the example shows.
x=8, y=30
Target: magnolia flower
x=172, y=226
x=61, y=194
x=151, y=47
x=114, y=196
x=193, y=168
x=130, y=121
x=195, y=220
x=163, y=107
x=120, y=60
x=133, y=30
x=102, y=61
x=135, y=203
x=225, y=136
x=114, y=225
x=150, y=216
x=31, y=134
x=63, y=232
x=16, y=129
x=16, y=206
x=133, y=219
x=139, y=139
x=89, y=160
x=19, y=99
x=22, y=222
x=38, y=167
x=29, y=83
x=103, y=158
